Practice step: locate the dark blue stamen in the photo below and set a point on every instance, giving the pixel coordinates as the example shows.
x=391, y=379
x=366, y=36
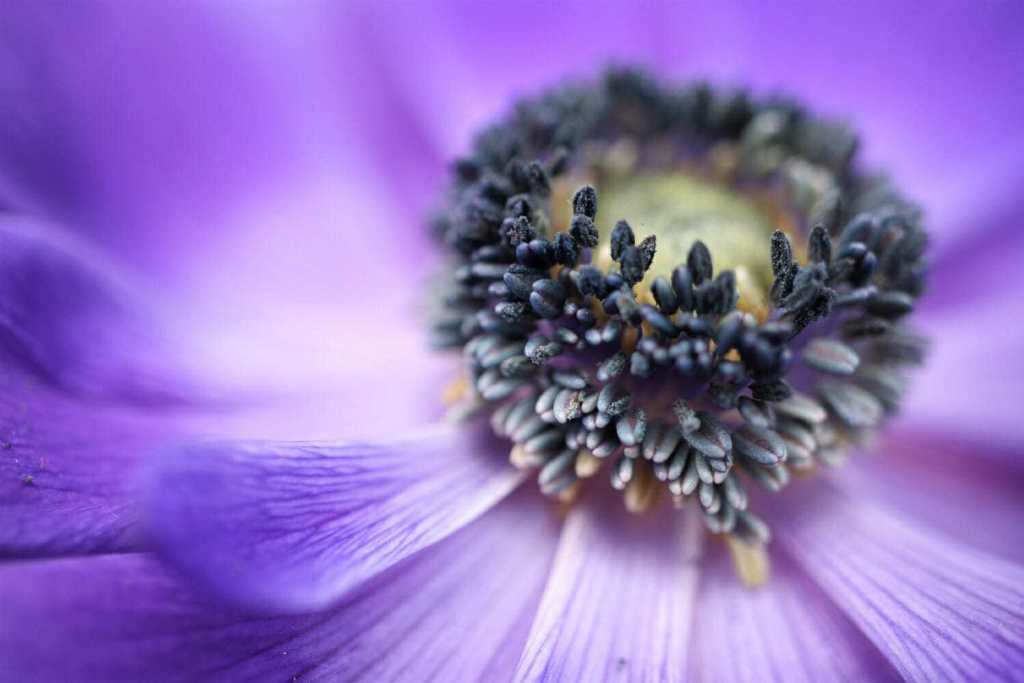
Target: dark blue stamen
x=670, y=382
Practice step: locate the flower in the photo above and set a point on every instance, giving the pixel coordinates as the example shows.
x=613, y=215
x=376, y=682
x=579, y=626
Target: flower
x=173, y=267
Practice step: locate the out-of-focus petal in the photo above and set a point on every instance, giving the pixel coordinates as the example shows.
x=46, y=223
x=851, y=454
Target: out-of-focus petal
x=953, y=486
x=453, y=612
x=97, y=376
x=938, y=610
x=70, y=321
x=620, y=599
x=981, y=268
x=970, y=385
x=786, y=630
x=315, y=293
x=293, y=526
x=174, y=114
x=483, y=56
x=70, y=466
x=91, y=380
x=222, y=153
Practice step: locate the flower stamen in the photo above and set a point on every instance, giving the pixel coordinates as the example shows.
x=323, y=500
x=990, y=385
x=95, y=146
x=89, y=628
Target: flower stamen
x=691, y=290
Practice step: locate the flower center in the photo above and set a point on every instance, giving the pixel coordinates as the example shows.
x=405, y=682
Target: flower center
x=604, y=237
x=680, y=209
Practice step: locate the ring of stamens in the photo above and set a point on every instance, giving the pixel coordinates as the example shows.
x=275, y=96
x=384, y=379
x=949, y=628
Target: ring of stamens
x=709, y=353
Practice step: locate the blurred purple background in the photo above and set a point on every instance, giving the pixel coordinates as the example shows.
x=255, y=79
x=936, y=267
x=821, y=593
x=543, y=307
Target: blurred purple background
x=246, y=161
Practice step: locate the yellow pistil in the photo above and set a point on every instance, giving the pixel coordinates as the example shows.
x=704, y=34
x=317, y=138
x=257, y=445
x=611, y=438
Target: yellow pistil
x=749, y=561
x=456, y=390
x=642, y=492
x=570, y=494
x=587, y=464
x=521, y=459
x=679, y=209
x=460, y=400
x=753, y=293
x=630, y=336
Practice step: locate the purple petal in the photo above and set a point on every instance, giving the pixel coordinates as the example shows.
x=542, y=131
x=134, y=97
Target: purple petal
x=175, y=113
x=969, y=386
x=486, y=55
x=91, y=384
x=339, y=311
x=70, y=321
x=96, y=379
x=67, y=472
x=776, y=632
x=222, y=155
x=937, y=609
x=70, y=469
x=983, y=265
x=454, y=612
x=620, y=598
x=451, y=612
x=293, y=526
x=339, y=316
x=971, y=381
x=957, y=488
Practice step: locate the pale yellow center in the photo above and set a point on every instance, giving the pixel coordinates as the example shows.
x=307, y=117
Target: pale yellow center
x=680, y=209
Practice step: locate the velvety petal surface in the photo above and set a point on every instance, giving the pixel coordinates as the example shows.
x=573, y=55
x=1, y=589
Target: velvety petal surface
x=220, y=154
x=292, y=526
x=68, y=472
x=193, y=134
x=98, y=376
x=970, y=385
x=937, y=609
x=954, y=486
x=971, y=312
x=620, y=598
x=451, y=612
x=342, y=311
x=786, y=630
x=982, y=266
x=484, y=56
x=91, y=382
x=179, y=111
x=71, y=321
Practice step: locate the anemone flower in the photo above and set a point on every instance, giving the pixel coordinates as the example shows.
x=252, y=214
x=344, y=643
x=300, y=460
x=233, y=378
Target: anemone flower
x=225, y=451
